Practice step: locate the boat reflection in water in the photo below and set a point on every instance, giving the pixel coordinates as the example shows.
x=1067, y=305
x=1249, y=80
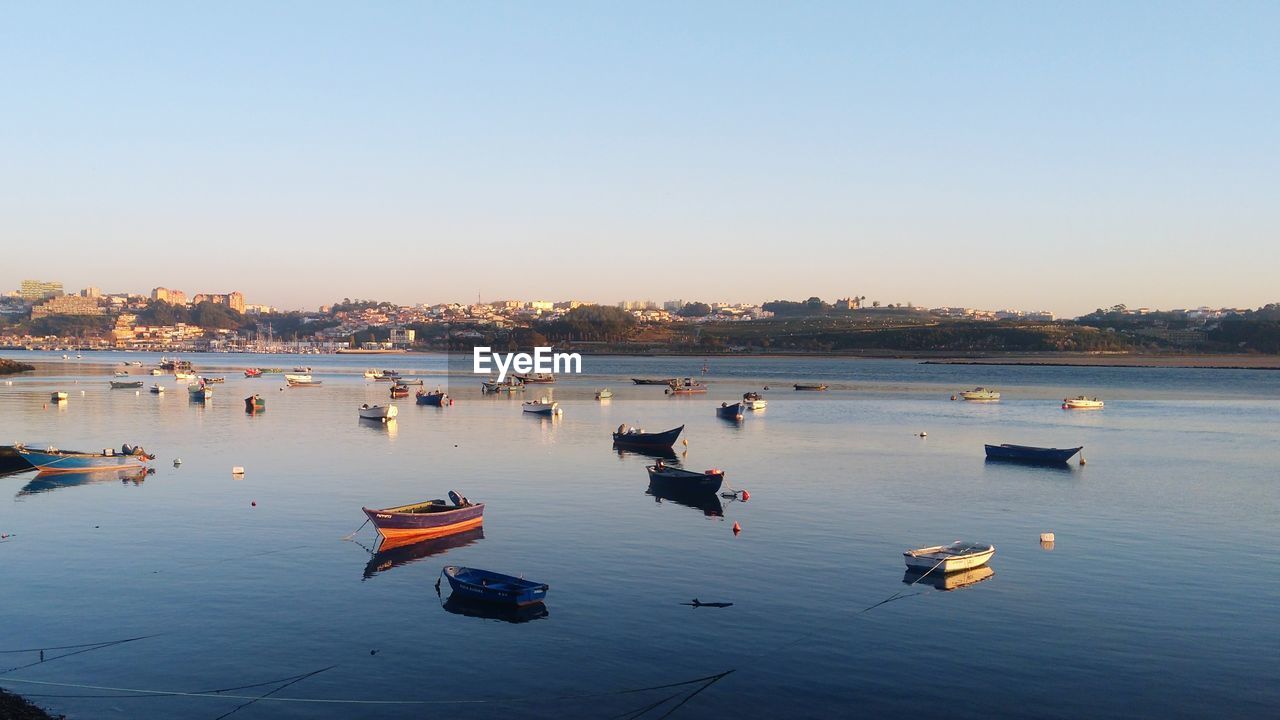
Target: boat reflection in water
x=392, y=553
x=708, y=503
x=665, y=453
x=949, y=581
x=48, y=481
x=495, y=611
x=387, y=426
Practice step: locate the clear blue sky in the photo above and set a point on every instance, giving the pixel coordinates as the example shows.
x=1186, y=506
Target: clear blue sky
x=1035, y=155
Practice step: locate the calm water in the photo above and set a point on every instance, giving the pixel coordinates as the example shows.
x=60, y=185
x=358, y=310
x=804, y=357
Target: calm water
x=1160, y=598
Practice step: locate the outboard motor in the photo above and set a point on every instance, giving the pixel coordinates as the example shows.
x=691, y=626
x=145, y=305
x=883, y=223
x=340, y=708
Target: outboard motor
x=456, y=498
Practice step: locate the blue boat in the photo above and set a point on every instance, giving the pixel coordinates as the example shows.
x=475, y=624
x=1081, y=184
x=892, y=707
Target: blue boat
x=488, y=586
x=677, y=480
x=1028, y=454
x=637, y=438
x=437, y=397
x=52, y=460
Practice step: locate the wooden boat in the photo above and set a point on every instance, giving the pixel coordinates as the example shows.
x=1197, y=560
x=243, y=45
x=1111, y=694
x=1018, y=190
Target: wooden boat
x=1029, y=454
x=536, y=378
x=980, y=393
x=303, y=383
x=604, y=394
x=157, y=371
x=125, y=384
x=252, y=372
x=180, y=375
x=688, y=386
x=378, y=412
x=409, y=381
x=157, y=389
x=399, y=391
x=653, y=381
x=58, y=396
x=212, y=380
x=425, y=520
x=812, y=387
x=670, y=479
x=302, y=369
x=543, y=406
x=255, y=404
x=1080, y=402
x=511, y=384
x=753, y=401
x=635, y=437
x=437, y=397
x=269, y=371
x=949, y=558
x=200, y=393
x=297, y=377
x=386, y=376
x=51, y=460
x=492, y=587
x=730, y=412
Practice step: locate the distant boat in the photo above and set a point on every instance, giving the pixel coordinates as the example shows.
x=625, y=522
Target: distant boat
x=511, y=384
x=157, y=388
x=436, y=397
x=255, y=404
x=304, y=383
x=212, y=380
x=672, y=479
x=409, y=381
x=424, y=520
x=302, y=369
x=949, y=558
x=122, y=373
x=1080, y=402
x=386, y=375
x=252, y=372
x=125, y=384
x=269, y=371
x=489, y=586
x=543, y=406
x=51, y=460
x=180, y=375
x=730, y=412
x=399, y=391
x=157, y=371
x=812, y=387
x=653, y=381
x=1029, y=454
x=297, y=377
x=980, y=393
x=200, y=393
x=378, y=412
x=371, y=374
x=536, y=378
x=688, y=386
x=635, y=437
x=58, y=396
x=604, y=394
x=753, y=401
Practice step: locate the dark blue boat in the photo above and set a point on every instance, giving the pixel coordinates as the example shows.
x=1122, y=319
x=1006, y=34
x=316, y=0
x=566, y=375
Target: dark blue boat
x=492, y=587
x=636, y=438
x=730, y=412
x=677, y=480
x=437, y=397
x=1028, y=454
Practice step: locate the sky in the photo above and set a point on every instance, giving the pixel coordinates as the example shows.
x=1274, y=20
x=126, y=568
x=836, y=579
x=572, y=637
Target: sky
x=1058, y=156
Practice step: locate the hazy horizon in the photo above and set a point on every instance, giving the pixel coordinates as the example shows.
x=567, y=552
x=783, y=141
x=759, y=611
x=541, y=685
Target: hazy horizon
x=990, y=156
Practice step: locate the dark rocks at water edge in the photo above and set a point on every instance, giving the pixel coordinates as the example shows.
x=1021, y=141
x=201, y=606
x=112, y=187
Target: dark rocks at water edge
x=13, y=707
x=8, y=367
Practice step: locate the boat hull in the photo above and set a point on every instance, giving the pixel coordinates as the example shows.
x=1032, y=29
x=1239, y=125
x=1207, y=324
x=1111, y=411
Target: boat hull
x=1028, y=454
x=491, y=587
x=651, y=381
x=379, y=412
x=671, y=480
x=730, y=412
x=648, y=440
x=78, y=462
x=924, y=561
x=397, y=526
x=433, y=399
x=811, y=388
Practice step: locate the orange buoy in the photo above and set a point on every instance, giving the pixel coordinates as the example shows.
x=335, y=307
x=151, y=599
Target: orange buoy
x=736, y=527
x=745, y=496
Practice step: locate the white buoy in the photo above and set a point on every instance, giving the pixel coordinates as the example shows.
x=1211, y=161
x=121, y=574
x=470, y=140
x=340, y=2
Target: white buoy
x=177, y=462
x=924, y=434
x=237, y=470
x=1046, y=537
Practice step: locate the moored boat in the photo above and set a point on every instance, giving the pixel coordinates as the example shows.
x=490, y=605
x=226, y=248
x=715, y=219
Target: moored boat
x=125, y=384
x=252, y=372
x=493, y=587
x=399, y=391
x=949, y=558
x=424, y=520
x=181, y=375
x=303, y=383
x=255, y=404
x=636, y=437
x=604, y=394
x=543, y=406
x=212, y=380
x=536, y=378
x=200, y=393
x=688, y=386
x=653, y=381
x=157, y=388
x=980, y=393
x=666, y=478
x=730, y=411
x=510, y=384
x=409, y=381
x=1030, y=454
x=812, y=387
x=58, y=396
x=157, y=371
x=437, y=397
x=301, y=378
x=753, y=401
x=1080, y=402
x=378, y=412
x=53, y=460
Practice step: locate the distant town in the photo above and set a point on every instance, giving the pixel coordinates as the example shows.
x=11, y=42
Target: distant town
x=42, y=315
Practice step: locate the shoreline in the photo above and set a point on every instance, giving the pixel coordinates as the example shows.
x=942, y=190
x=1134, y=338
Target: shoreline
x=16, y=707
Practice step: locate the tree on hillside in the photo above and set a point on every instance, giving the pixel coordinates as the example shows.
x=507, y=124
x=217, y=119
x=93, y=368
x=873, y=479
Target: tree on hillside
x=694, y=309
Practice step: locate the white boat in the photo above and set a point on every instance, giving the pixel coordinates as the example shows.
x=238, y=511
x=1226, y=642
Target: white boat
x=372, y=374
x=604, y=394
x=58, y=396
x=299, y=378
x=378, y=412
x=1081, y=402
x=950, y=558
x=122, y=373
x=179, y=375
x=302, y=369
x=980, y=393
x=157, y=371
x=543, y=406
x=753, y=401
x=157, y=388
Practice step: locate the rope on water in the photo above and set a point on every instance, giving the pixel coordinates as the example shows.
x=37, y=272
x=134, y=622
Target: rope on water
x=85, y=649
x=353, y=532
x=298, y=679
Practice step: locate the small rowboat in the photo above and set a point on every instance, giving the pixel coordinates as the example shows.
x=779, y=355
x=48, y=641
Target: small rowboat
x=157, y=389
x=200, y=393
x=212, y=380
x=157, y=371
x=635, y=437
x=1029, y=454
x=980, y=393
x=536, y=378
x=653, y=381
x=378, y=412
x=688, y=386
x=301, y=378
x=753, y=401
x=815, y=387
x=489, y=586
x=437, y=397
x=511, y=384
x=1081, y=403
x=409, y=381
x=58, y=396
x=252, y=372
x=949, y=558
x=730, y=412
x=676, y=480
x=399, y=391
x=180, y=375
x=303, y=383
x=604, y=394
x=255, y=404
x=125, y=384
x=426, y=520
x=52, y=460
x=543, y=406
